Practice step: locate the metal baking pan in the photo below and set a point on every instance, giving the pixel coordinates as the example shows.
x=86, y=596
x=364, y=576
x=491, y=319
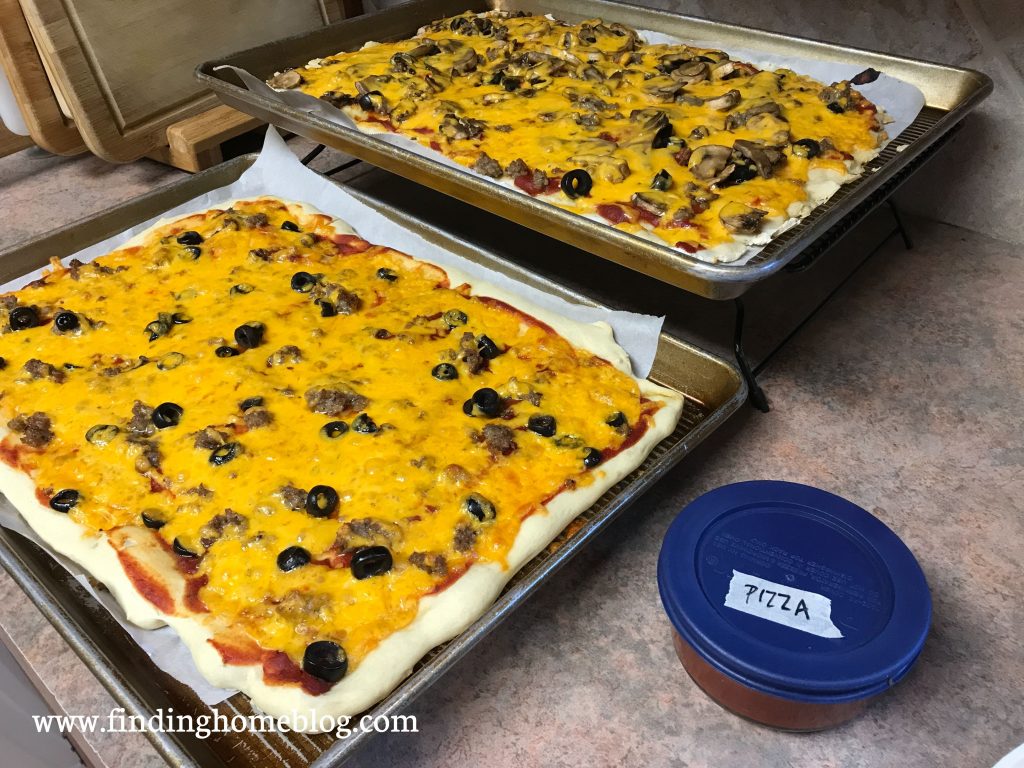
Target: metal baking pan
x=949, y=92
x=714, y=390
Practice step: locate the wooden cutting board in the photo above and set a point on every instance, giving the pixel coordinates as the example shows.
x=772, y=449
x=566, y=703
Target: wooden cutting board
x=125, y=68
x=48, y=126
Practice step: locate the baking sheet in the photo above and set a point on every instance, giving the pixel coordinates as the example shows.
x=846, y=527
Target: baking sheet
x=900, y=100
x=278, y=172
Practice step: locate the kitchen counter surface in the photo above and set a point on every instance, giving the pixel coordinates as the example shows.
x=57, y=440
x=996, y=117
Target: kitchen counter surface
x=905, y=394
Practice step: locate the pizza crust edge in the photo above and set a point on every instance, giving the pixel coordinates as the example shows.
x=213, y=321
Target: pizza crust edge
x=440, y=617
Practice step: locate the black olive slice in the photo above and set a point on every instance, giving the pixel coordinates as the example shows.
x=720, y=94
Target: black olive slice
x=153, y=518
x=194, y=251
x=592, y=458
x=226, y=351
x=63, y=501
x=290, y=226
x=445, y=372
x=453, y=318
x=189, y=237
x=806, y=148
x=292, y=558
x=662, y=181
x=327, y=309
x=740, y=173
x=321, y=501
x=387, y=274
x=303, y=282
x=241, y=289
x=366, y=100
x=250, y=402
x=250, y=335
x=66, y=321
x=835, y=106
x=181, y=318
x=22, y=318
x=363, y=423
x=544, y=426
x=488, y=349
x=616, y=420
x=224, y=453
x=326, y=660
x=102, y=434
x=371, y=561
x=167, y=415
x=332, y=430
x=479, y=508
x=487, y=402
x=660, y=140
x=577, y=183
x=182, y=550
x=156, y=329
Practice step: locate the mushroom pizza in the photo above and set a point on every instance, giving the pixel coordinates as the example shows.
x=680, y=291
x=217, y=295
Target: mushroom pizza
x=315, y=458
x=675, y=143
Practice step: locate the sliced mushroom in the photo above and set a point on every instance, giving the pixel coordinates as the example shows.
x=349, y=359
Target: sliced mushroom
x=726, y=101
x=724, y=70
x=372, y=83
x=669, y=62
x=403, y=110
x=450, y=45
x=665, y=93
x=741, y=219
x=650, y=120
x=647, y=203
x=593, y=103
x=700, y=132
x=426, y=48
x=693, y=72
x=466, y=62
x=285, y=80
x=460, y=127
x=739, y=119
x=496, y=98
x=403, y=62
x=606, y=167
x=763, y=157
x=709, y=160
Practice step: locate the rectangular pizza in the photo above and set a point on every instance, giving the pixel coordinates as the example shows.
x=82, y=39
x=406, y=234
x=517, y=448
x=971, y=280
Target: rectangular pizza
x=678, y=144
x=314, y=457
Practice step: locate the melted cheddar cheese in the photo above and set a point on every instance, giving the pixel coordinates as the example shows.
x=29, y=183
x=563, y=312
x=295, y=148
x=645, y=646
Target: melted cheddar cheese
x=142, y=327
x=681, y=142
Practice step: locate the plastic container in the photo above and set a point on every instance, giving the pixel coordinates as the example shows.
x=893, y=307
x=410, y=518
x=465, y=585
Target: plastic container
x=791, y=606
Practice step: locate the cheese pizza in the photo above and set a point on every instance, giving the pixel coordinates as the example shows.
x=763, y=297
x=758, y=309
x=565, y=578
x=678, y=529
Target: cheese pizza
x=315, y=458
x=675, y=143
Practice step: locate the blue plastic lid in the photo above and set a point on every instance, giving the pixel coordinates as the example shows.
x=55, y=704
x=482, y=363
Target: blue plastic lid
x=794, y=591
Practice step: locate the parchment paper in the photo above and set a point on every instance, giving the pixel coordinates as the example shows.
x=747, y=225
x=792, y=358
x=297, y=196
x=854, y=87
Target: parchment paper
x=278, y=172
x=900, y=100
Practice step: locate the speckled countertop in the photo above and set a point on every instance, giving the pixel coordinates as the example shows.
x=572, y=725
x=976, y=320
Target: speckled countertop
x=905, y=394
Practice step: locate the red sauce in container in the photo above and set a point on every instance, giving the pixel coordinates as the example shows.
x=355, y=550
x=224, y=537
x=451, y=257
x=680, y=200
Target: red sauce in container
x=790, y=606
